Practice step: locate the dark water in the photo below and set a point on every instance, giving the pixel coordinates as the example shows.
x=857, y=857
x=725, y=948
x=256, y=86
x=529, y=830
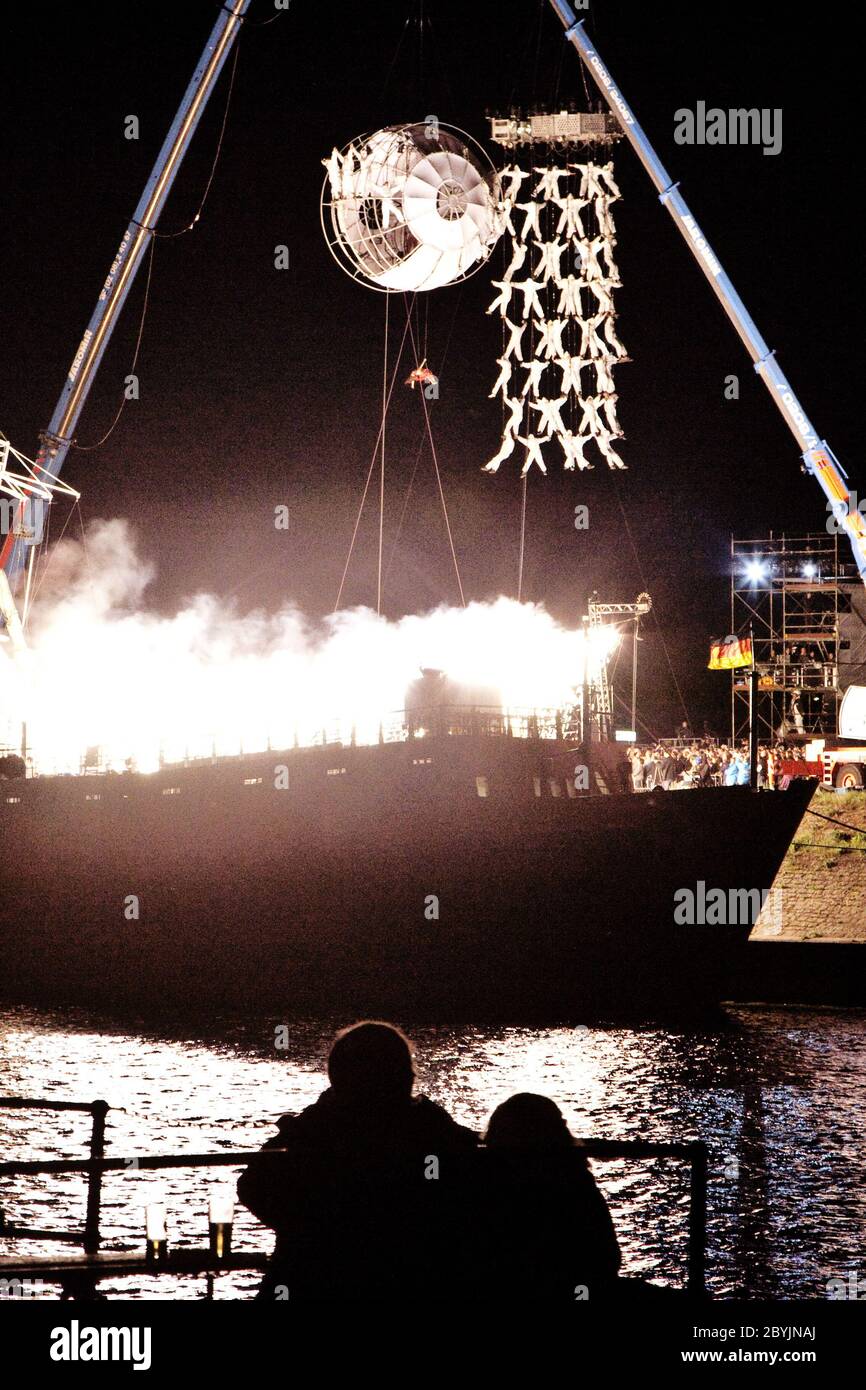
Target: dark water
x=779, y=1096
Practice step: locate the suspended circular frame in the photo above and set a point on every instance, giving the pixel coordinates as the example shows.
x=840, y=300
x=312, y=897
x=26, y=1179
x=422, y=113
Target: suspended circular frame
x=411, y=207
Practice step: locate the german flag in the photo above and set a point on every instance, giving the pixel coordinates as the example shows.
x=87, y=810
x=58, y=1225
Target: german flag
x=729, y=653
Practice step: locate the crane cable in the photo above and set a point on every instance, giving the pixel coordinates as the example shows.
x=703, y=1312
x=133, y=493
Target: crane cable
x=171, y=236
x=89, y=448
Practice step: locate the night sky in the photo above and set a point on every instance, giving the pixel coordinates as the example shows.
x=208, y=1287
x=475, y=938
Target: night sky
x=261, y=387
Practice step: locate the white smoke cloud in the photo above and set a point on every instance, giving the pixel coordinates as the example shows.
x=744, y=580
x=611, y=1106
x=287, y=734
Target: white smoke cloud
x=103, y=671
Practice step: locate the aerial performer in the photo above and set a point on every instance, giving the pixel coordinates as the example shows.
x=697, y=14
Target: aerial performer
x=421, y=376
x=559, y=285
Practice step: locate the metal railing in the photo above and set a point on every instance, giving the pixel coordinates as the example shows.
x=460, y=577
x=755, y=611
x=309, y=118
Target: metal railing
x=88, y=1269
x=89, y=1237
x=397, y=726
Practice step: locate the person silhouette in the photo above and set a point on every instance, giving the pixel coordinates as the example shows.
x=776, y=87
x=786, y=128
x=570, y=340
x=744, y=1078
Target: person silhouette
x=551, y=1234
x=360, y=1200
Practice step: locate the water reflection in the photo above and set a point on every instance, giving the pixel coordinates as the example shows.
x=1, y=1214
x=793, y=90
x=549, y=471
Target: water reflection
x=779, y=1096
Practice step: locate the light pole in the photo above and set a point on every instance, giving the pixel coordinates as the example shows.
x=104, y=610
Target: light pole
x=634, y=643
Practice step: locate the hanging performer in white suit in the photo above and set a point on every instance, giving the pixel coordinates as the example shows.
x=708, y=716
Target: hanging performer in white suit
x=334, y=166
x=504, y=376
x=517, y=259
x=569, y=296
x=550, y=414
x=589, y=259
x=532, y=211
x=548, y=184
x=570, y=225
x=608, y=405
x=573, y=446
x=607, y=175
x=515, y=176
x=603, y=376
x=610, y=334
x=515, y=338
x=609, y=452
x=591, y=422
x=534, y=372
x=503, y=299
x=549, y=264
x=515, y=419
x=602, y=249
x=591, y=344
x=530, y=289
x=603, y=214
x=569, y=379
x=593, y=184
x=506, y=449
x=532, y=444
x=602, y=290
x=550, y=333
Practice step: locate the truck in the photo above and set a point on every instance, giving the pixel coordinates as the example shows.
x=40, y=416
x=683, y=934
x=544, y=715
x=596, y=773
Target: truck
x=842, y=765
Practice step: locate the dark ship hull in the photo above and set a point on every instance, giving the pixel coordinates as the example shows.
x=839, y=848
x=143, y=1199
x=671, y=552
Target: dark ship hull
x=445, y=877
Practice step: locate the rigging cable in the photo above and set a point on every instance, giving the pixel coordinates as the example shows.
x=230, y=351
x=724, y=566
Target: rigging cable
x=422, y=441
x=370, y=469
x=655, y=616
x=843, y=825
x=382, y=465
x=396, y=54
x=433, y=49
x=171, y=236
x=438, y=476
x=89, y=448
x=47, y=551
x=524, y=481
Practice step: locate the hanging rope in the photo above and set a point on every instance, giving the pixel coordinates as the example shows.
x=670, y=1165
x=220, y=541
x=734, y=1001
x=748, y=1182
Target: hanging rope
x=170, y=236
x=89, y=448
x=382, y=466
x=655, y=616
x=843, y=825
x=439, y=367
x=372, y=466
x=524, y=480
x=438, y=474
x=48, y=550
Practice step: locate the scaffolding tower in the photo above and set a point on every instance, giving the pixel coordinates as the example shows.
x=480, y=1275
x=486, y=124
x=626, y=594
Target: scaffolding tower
x=793, y=595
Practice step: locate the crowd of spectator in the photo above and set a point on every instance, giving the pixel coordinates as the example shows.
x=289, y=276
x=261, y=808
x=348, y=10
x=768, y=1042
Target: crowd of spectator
x=678, y=765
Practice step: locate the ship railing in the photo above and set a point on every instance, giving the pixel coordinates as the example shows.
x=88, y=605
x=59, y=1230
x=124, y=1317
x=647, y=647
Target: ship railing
x=399, y=726
x=78, y=1275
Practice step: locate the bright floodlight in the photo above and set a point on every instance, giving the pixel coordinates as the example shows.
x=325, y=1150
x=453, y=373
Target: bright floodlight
x=810, y=570
x=411, y=207
x=755, y=571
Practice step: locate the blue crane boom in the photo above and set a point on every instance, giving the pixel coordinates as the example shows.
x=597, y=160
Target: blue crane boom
x=57, y=439
x=816, y=453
